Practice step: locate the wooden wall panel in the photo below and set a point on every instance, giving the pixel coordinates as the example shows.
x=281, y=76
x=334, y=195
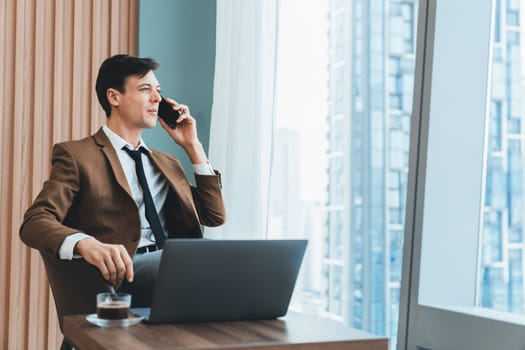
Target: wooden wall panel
x=51, y=51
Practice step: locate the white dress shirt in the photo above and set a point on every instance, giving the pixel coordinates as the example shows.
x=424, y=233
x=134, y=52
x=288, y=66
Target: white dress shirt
x=157, y=184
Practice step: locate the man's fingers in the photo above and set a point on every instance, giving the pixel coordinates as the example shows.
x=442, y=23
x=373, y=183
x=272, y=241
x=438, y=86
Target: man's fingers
x=185, y=119
x=171, y=101
x=181, y=118
x=119, y=265
x=112, y=260
x=110, y=265
x=128, y=264
x=182, y=109
x=101, y=265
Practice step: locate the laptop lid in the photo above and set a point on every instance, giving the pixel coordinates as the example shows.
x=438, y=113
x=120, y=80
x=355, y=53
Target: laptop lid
x=224, y=280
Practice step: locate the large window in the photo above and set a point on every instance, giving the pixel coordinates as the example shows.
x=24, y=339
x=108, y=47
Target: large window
x=341, y=144
x=463, y=269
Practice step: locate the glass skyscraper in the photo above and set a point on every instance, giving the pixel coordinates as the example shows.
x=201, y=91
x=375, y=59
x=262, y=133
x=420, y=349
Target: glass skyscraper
x=502, y=260
x=372, y=57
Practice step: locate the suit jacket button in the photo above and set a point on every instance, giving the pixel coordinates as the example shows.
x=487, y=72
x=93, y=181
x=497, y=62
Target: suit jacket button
x=136, y=238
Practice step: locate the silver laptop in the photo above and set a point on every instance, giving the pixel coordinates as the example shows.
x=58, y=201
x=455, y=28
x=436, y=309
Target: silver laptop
x=224, y=280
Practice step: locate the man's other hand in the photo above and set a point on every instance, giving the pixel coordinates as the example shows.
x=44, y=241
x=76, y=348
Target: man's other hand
x=112, y=260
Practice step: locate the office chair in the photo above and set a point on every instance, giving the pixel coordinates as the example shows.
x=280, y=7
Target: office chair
x=75, y=284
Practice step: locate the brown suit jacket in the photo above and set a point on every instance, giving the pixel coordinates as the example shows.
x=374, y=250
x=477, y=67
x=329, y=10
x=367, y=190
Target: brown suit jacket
x=87, y=191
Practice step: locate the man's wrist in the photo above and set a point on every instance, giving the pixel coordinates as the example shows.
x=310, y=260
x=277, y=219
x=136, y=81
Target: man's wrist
x=67, y=250
x=203, y=169
x=78, y=246
x=196, y=153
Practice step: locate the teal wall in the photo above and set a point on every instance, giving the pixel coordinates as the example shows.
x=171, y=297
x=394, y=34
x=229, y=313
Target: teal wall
x=180, y=35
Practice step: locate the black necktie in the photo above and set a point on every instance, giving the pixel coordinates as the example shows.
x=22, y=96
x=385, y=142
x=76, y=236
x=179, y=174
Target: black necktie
x=151, y=212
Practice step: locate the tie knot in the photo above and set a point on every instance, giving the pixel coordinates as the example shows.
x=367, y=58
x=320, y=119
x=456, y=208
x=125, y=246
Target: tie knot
x=135, y=154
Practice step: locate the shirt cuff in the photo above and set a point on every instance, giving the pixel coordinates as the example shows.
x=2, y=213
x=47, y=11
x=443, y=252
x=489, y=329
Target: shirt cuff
x=203, y=169
x=66, y=251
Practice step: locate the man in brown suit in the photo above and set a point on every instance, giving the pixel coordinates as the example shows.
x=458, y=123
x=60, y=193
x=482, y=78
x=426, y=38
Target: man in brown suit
x=93, y=205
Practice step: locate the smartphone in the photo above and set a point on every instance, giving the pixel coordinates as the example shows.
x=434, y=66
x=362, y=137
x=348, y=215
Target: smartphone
x=167, y=113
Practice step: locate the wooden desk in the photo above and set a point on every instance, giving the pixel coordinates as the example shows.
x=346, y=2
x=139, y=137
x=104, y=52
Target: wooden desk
x=295, y=331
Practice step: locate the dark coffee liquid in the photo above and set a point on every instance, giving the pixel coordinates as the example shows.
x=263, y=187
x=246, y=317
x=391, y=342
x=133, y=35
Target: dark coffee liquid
x=113, y=310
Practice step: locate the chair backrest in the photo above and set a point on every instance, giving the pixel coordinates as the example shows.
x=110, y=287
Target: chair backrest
x=75, y=284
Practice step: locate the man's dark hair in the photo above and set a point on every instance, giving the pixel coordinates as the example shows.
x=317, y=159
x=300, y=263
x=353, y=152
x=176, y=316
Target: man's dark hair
x=115, y=70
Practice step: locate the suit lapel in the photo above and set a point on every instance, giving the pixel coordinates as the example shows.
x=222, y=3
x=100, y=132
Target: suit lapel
x=173, y=174
x=176, y=178
x=102, y=140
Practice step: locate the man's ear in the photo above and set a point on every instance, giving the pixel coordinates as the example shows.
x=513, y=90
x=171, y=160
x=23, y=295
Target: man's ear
x=113, y=97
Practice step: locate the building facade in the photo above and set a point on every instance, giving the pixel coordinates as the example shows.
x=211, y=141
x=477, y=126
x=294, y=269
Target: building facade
x=372, y=58
x=502, y=259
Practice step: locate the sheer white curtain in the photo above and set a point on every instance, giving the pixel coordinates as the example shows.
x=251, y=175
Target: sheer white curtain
x=243, y=113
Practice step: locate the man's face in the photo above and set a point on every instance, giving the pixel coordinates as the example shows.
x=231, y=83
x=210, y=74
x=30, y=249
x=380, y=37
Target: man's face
x=139, y=103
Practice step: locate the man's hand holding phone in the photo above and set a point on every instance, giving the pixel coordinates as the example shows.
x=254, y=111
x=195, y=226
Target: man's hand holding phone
x=185, y=131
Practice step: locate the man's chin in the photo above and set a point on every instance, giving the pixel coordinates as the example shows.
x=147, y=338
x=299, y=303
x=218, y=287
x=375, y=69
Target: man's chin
x=150, y=124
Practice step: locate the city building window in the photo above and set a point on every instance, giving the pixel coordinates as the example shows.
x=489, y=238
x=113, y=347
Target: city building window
x=502, y=213
x=351, y=153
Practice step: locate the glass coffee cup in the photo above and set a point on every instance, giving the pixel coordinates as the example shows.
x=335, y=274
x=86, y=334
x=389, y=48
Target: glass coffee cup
x=113, y=306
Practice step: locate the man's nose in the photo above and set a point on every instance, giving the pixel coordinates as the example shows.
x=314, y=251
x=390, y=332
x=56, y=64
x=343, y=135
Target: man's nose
x=156, y=96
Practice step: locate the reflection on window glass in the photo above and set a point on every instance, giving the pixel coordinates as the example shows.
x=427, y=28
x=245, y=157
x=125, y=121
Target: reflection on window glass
x=351, y=164
x=501, y=283
x=495, y=127
x=339, y=91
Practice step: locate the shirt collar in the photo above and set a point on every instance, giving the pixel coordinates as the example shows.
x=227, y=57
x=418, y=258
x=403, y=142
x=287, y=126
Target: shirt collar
x=118, y=142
